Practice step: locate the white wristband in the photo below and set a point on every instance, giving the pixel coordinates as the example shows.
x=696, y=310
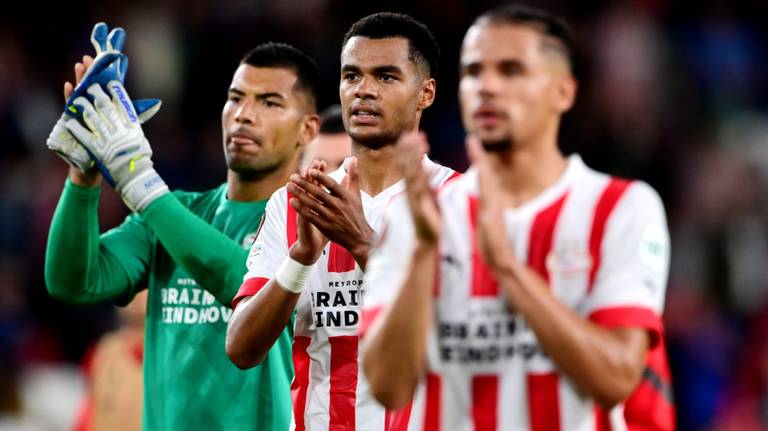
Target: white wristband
x=292, y=275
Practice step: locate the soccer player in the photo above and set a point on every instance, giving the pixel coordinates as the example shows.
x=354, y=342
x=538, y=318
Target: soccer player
x=332, y=145
x=387, y=66
x=188, y=248
x=527, y=294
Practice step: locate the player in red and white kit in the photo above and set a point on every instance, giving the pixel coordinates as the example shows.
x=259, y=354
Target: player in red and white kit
x=313, y=245
x=526, y=294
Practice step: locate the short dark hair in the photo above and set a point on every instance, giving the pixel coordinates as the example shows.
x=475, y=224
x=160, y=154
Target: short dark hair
x=331, y=122
x=275, y=54
x=547, y=23
x=382, y=25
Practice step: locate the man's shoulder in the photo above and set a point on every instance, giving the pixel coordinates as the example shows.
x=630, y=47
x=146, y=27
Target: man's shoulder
x=439, y=175
x=190, y=198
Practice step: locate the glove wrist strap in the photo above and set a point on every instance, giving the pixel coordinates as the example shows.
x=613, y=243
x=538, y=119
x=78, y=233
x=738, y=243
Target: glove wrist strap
x=144, y=188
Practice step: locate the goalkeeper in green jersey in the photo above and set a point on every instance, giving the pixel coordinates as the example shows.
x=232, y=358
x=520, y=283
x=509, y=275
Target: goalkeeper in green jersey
x=189, y=249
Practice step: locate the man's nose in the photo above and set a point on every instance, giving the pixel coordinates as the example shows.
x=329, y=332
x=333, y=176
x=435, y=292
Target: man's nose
x=246, y=112
x=366, y=88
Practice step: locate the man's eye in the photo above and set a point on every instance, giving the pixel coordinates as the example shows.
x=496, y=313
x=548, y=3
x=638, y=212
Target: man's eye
x=350, y=76
x=511, y=69
x=235, y=99
x=387, y=78
x=470, y=71
x=271, y=104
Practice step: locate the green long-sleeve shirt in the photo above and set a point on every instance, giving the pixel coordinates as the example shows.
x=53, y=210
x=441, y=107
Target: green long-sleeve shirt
x=189, y=249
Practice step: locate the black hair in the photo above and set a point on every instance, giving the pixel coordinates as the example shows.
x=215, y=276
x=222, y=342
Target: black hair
x=545, y=22
x=330, y=120
x=382, y=25
x=275, y=54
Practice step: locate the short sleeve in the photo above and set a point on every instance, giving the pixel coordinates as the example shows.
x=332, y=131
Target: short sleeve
x=389, y=261
x=269, y=249
x=630, y=281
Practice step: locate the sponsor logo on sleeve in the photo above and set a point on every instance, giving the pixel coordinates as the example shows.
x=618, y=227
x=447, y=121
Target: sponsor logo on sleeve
x=653, y=250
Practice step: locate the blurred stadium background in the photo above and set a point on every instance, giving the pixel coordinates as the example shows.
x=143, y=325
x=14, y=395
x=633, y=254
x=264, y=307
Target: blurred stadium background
x=675, y=93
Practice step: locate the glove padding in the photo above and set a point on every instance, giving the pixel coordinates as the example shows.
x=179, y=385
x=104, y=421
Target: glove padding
x=115, y=141
x=108, y=65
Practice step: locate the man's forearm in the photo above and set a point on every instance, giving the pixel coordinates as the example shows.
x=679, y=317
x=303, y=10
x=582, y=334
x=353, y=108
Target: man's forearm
x=257, y=322
x=77, y=269
x=395, y=346
x=214, y=260
x=606, y=364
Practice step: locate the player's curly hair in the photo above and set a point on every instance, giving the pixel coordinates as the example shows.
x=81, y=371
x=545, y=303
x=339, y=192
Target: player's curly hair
x=381, y=25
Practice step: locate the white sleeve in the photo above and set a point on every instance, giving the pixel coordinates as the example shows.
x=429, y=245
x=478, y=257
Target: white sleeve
x=389, y=261
x=269, y=249
x=631, y=279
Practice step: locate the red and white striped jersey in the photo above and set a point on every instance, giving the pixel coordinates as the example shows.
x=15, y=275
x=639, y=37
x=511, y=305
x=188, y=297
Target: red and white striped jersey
x=603, y=246
x=329, y=390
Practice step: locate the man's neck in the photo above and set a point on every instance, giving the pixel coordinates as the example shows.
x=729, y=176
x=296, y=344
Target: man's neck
x=528, y=170
x=248, y=190
x=377, y=168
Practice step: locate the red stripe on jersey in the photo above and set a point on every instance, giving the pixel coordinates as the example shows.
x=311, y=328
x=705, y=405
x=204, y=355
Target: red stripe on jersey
x=483, y=281
x=651, y=406
x=300, y=382
x=249, y=287
x=485, y=400
x=602, y=420
x=397, y=420
x=623, y=317
x=291, y=233
x=339, y=259
x=542, y=231
x=453, y=176
x=543, y=402
x=432, y=403
x=369, y=316
x=343, y=391
x=608, y=200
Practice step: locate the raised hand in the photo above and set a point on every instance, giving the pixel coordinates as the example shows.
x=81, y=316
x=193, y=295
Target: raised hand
x=335, y=209
x=491, y=229
x=427, y=219
x=311, y=241
x=116, y=142
x=109, y=65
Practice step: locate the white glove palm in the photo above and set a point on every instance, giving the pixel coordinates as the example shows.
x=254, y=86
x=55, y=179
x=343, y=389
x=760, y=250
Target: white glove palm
x=109, y=64
x=115, y=141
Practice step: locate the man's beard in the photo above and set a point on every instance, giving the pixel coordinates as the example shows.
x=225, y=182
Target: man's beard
x=376, y=141
x=504, y=143
x=252, y=173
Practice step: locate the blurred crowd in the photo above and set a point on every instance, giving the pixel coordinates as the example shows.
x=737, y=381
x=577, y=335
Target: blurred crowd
x=674, y=93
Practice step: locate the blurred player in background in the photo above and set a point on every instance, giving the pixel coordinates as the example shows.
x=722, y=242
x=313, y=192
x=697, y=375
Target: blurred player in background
x=388, y=62
x=114, y=373
x=528, y=293
x=188, y=248
x=332, y=145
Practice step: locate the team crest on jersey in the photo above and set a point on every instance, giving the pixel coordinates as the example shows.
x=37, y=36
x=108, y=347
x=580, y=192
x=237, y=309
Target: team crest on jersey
x=251, y=237
x=256, y=251
x=569, y=259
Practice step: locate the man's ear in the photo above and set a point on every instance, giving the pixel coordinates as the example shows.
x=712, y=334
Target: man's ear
x=427, y=94
x=310, y=127
x=566, y=93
